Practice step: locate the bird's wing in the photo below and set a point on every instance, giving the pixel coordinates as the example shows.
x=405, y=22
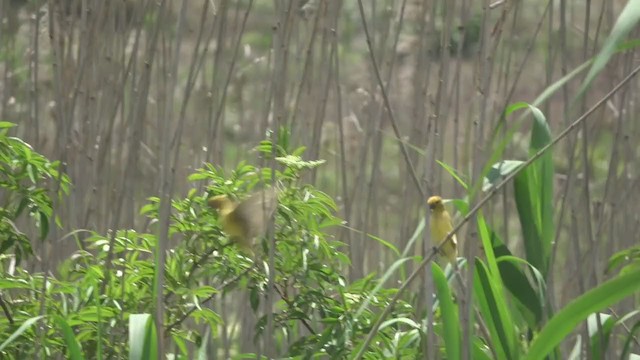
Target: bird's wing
x=255, y=212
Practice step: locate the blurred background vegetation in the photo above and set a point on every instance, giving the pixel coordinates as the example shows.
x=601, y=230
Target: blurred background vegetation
x=130, y=98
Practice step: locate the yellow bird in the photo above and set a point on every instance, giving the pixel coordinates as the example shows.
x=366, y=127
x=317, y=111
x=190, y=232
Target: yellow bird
x=440, y=223
x=245, y=220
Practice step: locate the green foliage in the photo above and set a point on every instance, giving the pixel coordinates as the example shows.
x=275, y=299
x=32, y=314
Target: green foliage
x=99, y=302
x=534, y=197
x=579, y=310
x=450, y=318
x=491, y=301
x=626, y=22
x=25, y=176
x=334, y=314
x=101, y=294
x=628, y=260
x=142, y=337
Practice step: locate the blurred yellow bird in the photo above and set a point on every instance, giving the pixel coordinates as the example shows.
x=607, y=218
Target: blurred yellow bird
x=440, y=223
x=245, y=220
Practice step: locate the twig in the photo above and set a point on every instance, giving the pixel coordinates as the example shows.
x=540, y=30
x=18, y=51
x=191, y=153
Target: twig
x=7, y=313
x=206, y=300
x=290, y=304
x=387, y=103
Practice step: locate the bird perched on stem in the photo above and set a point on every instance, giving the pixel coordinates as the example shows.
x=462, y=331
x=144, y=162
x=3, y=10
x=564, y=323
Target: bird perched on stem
x=440, y=223
x=245, y=220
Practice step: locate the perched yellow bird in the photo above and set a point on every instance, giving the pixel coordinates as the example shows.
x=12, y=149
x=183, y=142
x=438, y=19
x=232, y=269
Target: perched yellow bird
x=440, y=223
x=247, y=219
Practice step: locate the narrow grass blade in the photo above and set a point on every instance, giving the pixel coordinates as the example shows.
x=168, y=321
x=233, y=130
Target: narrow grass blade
x=24, y=327
x=626, y=22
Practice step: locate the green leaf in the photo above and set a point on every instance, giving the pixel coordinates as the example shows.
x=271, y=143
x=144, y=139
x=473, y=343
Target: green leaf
x=254, y=298
x=628, y=255
x=534, y=197
x=563, y=323
x=73, y=346
x=142, y=337
x=208, y=315
x=516, y=281
x=495, y=312
x=631, y=338
x=416, y=237
x=601, y=334
x=31, y=174
x=607, y=323
x=380, y=284
x=626, y=22
x=198, y=176
x=296, y=162
x=448, y=312
x=480, y=350
x=385, y=243
x=486, y=239
x=454, y=174
x=26, y=325
x=6, y=125
x=44, y=225
x=498, y=172
x=202, y=349
x=405, y=321
x=382, y=241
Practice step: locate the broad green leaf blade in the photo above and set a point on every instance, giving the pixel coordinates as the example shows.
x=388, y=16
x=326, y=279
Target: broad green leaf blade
x=73, y=346
x=479, y=350
x=498, y=172
x=534, y=197
x=540, y=133
x=524, y=191
x=544, y=96
x=448, y=313
x=150, y=341
x=516, y=281
x=579, y=309
x=623, y=257
x=20, y=330
x=141, y=337
x=544, y=172
x=495, y=313
x=6, y=125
